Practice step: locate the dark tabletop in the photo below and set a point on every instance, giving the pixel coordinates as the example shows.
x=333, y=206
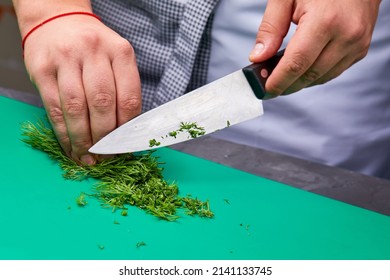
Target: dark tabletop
x=364, y=191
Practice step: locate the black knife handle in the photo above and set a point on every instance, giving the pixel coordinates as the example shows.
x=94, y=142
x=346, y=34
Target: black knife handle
x=258, y=73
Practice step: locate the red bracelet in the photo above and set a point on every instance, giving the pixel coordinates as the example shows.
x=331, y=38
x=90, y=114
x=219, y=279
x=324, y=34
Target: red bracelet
x=53, y=18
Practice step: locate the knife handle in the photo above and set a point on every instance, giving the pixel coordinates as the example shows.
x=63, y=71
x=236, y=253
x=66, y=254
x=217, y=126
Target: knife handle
x=258, y=73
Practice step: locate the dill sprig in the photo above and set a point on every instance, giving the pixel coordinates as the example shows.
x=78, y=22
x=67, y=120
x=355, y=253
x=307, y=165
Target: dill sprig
x=127, y=179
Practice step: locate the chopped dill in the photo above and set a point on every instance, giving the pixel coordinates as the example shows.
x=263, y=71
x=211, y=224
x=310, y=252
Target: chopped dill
x=124, y=180
x=154, y=143
x=81, y=201
x=139, y=244
x=173, y=134
x=197, y=207
x=192, y=128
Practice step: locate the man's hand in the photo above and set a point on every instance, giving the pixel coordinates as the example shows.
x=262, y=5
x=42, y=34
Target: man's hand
x=331, y=36
x=88, y=80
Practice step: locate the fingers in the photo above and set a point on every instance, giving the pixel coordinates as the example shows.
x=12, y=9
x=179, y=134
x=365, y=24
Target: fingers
x=336, y=71
x=127, y=82
x=305, y=60
x=48, y=89
x=75, y=113
x=272, y=30
x=100, y=92
x=326, y=67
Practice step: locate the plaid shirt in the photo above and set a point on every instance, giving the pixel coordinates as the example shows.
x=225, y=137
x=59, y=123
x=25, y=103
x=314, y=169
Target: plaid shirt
x=171, y=39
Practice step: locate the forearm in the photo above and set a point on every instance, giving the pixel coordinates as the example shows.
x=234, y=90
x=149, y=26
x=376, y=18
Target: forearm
x=31, y=13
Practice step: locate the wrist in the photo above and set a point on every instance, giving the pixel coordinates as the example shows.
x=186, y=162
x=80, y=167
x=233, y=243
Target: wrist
x=33, y=13
x=54, y=18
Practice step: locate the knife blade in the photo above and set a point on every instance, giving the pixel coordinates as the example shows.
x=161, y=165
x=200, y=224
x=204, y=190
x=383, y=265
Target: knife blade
x=229, y=100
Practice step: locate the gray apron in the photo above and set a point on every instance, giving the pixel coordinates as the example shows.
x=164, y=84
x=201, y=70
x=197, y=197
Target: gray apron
x=171, y=40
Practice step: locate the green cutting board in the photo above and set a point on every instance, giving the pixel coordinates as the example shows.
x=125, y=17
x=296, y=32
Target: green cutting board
x=255, y=218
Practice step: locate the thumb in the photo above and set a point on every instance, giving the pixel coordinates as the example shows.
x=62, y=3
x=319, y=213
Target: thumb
x=273, y=28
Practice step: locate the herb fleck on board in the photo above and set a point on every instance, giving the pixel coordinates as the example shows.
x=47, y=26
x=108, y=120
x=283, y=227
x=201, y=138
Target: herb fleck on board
x=140, y=244
x=81, y=201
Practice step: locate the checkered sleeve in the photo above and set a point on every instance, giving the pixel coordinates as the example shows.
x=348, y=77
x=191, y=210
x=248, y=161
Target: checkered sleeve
x=171, y=40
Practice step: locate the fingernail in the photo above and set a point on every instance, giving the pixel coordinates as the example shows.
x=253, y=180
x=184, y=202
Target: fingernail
x=88, y=159
x=257, y=50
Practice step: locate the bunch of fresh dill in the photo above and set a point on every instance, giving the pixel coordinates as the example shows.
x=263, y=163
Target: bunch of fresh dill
x=128, y=179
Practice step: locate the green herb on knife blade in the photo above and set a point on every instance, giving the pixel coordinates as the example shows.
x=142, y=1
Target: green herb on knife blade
x=193, y=130
x=173, y=134
x=127, y=179
x=154, y=143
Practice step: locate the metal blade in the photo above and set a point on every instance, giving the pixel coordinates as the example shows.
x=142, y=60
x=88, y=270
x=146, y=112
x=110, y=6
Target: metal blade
x=226, y=101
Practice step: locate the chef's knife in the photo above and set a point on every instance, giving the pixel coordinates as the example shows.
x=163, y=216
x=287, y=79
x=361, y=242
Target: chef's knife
x=227, y=101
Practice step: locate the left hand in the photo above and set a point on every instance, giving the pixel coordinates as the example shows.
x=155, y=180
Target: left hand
x=331, y=36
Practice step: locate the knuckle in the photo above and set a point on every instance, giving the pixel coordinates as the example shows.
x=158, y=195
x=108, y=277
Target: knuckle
x=311, y=76
x=329, y=20
x=42, y=68
x=65, y=142
x=74, y=107
x=364, y=47
x=356, y=32
x=124, y=48
x=131, y=105
x=70, y=49
x=359, y=56
x=362, y=54
x=275, y=90
x=91, y=39
x=267, y=27
x=66, y=50
x=56, y=115
x=297, y=64
x=102, y=101
x=81, y=144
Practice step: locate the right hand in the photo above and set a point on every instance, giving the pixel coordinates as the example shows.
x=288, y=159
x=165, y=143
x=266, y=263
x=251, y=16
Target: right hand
x=88, y=80
x=331, y=35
